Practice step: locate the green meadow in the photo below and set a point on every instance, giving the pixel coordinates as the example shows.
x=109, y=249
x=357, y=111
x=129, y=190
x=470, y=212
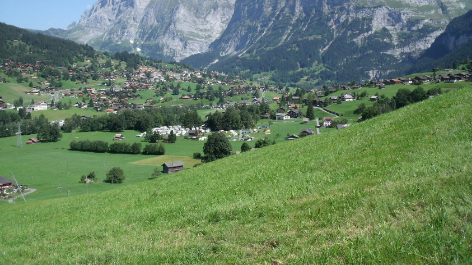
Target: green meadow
x=46, y=166
x=396, y=189
x=346, y=109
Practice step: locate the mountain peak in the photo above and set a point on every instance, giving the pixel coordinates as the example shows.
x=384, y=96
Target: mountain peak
x=167, y=29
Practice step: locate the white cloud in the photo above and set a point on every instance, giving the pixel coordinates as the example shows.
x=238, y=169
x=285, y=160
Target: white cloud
x=89, y=7
x=51, y=24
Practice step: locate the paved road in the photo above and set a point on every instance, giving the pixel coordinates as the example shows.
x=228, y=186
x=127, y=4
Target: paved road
x=325, y=111
x=317, y=126
x=28, y=191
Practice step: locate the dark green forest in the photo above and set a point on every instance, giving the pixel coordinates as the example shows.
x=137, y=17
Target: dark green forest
x=20, y=45
x=439, y=55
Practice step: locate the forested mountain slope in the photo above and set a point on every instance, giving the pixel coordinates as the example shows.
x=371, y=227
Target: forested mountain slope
x=451, y=47
x=20, y=45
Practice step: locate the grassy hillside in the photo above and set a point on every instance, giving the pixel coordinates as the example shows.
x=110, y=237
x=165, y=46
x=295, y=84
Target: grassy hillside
x=394, y=189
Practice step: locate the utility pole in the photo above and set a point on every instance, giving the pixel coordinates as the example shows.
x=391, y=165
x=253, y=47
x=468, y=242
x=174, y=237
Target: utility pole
x=105, y=171
x=86, y=182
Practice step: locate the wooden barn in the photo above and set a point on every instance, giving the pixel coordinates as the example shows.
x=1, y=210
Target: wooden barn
x=172, y=167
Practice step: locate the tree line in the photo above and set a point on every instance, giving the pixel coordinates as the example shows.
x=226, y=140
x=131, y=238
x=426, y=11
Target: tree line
x=100, y=146
x=237, y=117
x=20, y=45
x=141, y=120
x=402, y=98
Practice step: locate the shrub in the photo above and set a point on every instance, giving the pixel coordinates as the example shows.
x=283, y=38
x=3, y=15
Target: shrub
x=91, y=176
x=245, y=147
x=115, y=175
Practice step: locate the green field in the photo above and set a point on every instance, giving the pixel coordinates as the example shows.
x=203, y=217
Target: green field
x=48, y=162
x=396, y=189
x=346, y=109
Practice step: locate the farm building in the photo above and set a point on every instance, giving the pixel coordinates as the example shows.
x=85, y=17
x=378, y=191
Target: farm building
x=33, y=141
x=5, y=182
x=118, y=137
x=308, y=131
x=172, y=167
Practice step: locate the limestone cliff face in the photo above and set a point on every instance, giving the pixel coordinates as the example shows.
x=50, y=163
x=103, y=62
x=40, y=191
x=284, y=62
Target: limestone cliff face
x=399, y=29
x=171, y=29
x=453, y=45
x=370, y=36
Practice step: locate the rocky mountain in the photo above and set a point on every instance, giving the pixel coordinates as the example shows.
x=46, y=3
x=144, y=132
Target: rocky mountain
x=452, y=46
x=321, y=40
x=166, y=29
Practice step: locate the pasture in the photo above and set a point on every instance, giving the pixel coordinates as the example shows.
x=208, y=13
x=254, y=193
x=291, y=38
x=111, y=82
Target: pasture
x=297, y=202
x=46, y=166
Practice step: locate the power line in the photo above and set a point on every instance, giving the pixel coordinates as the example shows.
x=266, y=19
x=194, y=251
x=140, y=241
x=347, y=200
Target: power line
x=18, y=186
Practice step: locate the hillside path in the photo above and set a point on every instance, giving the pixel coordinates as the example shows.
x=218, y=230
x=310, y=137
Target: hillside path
x=28, y=191
x=317, y=126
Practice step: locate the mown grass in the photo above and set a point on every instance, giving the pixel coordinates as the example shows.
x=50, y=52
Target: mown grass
x=396, y=189
x=45, y=166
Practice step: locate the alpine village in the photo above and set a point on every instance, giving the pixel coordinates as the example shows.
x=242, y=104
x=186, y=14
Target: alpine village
x=239, y=132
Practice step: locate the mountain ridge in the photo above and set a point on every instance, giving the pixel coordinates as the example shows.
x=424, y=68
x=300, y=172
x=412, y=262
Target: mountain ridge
x=161, y=29
x=452, y=46
x=371, y=37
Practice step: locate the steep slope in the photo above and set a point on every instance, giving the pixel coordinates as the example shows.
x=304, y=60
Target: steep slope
x=20, y=45
x=353, y=39
x=166, y=29
x=394, y=189
x=454, y=45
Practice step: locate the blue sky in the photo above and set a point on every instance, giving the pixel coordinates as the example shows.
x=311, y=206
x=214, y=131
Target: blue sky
x=42, y=14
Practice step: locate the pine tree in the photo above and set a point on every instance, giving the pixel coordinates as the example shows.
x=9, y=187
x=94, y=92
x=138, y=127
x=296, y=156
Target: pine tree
x=172, y=137
x=310, y=114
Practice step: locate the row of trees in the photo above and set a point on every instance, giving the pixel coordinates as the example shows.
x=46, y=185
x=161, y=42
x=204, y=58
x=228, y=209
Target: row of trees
x=117, y=148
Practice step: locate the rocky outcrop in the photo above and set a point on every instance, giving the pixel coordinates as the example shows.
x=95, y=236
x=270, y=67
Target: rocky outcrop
x=171, y=29
x=452, y=46
x=381, y=33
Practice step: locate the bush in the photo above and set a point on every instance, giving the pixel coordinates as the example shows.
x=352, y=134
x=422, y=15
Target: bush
x=91, y=177
x=263, y=142
x=245, y=147
x=197, y=156
x=115, y=175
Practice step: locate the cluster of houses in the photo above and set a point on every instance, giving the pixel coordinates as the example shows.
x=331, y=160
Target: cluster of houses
x=451, y=77
x=8, y=188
